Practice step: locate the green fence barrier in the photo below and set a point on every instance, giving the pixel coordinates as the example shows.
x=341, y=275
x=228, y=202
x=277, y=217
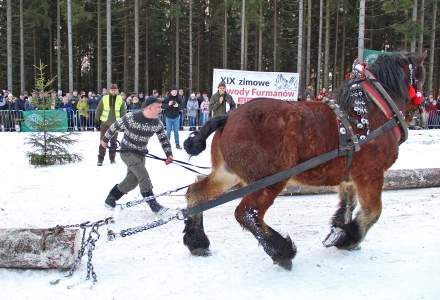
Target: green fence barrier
x=44, y=120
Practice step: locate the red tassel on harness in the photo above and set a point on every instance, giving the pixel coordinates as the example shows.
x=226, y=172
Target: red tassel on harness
x=416, y=98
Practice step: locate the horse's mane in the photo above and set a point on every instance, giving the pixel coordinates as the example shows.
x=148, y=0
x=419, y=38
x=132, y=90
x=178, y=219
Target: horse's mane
x=388, y=70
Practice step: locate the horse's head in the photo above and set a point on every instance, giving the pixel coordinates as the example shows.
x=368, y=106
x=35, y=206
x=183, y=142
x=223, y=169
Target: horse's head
x=402, y=75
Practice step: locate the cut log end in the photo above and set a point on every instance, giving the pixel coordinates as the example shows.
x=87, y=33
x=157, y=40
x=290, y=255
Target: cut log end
x=39, y=248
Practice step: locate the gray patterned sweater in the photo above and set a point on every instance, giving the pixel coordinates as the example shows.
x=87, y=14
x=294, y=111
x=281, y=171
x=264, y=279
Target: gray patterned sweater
x=137, y=131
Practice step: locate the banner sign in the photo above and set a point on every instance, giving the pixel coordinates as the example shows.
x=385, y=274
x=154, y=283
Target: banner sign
x=246, y=85
x=40, y=120
x=371, y=55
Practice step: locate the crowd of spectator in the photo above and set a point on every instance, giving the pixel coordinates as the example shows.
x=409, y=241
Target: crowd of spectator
x=81, y=106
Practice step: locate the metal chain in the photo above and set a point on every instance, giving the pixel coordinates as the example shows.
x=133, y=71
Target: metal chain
x=149, y=198
x=89, y=244
x=134, y=230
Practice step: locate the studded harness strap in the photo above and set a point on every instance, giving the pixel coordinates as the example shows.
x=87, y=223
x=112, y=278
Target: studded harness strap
x=364, y=84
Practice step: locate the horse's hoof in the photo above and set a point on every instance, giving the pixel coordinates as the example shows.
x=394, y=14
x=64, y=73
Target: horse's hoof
x=201, y=252
x=335, y=237
x=285, y=263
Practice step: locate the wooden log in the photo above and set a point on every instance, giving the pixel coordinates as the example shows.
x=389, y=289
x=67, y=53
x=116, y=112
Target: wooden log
x=394, y=180
x=39, y=248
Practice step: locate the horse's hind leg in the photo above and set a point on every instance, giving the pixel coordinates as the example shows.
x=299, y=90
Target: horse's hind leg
x=211, y=186
x=349, y=235
x=250, y=214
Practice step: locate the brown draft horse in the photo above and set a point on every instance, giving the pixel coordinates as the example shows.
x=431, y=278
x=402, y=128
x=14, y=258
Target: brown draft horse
x=266, y=136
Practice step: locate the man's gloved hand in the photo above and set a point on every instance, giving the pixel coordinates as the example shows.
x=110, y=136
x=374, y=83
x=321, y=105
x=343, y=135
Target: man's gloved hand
x=97, y=125
x=169, y=160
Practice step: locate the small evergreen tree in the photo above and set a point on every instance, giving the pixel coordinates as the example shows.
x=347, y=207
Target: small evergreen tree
x=48, y=148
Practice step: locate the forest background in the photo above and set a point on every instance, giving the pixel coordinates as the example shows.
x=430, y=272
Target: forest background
x=153, y=44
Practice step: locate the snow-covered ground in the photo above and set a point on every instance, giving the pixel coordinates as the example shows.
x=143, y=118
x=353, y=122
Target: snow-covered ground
x=399, y=259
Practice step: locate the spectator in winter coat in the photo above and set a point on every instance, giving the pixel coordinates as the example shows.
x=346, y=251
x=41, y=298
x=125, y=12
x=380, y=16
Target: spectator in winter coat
x=83, y=112
x=172, y=106
x=221, y=102
x=192, y=108
x=66, y=106
x=138, y=128
x=204, y=110
x=135, y=104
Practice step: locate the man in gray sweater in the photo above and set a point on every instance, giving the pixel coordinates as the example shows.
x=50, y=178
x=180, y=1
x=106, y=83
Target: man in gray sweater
x=138, y=127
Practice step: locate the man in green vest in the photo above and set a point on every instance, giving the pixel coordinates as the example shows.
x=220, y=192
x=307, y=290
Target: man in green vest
x=110, y=108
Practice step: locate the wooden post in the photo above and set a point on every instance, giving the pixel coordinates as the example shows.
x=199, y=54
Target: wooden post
x=39, y=248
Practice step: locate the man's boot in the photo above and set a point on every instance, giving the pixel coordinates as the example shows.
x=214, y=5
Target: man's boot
x=154, y=205
x=114, y=195
x=100, y=160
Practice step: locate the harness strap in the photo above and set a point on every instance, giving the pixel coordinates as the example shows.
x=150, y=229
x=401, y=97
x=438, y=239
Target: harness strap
x=272, y=179
x=348, y=141
x=383, y=100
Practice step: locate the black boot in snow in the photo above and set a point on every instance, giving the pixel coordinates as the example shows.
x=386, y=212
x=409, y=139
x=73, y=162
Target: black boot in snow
x=114, y=195
x=154, y=205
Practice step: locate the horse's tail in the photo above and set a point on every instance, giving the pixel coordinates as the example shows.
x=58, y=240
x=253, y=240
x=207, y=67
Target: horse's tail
x=196, y=142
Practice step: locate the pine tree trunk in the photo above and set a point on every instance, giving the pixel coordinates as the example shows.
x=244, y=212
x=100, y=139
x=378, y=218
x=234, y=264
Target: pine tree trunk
x=327, y=43
x=422, y=25
x=246, y=28
x=318, y=71
x=125, y=68
x=69, y=42
x=59, y=46
x=299, y=61
x=50, y=46
x=136, y=46
x=177, y=78
x=98, y=48
x=309, y=38
x=342, y=77
x=414, y=19
x=260, y=37
x=199, y=44
x=275, y=35
x=335, y=55
x=147, y=49
x=190, y=82
x=22, y=78
x=243, y=22
x=9, y=44
x=109, y=42
x=361, y=39
x=432, y=48
x=225, y=35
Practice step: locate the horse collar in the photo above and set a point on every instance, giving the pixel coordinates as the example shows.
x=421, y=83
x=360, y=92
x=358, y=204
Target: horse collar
x=383, y=101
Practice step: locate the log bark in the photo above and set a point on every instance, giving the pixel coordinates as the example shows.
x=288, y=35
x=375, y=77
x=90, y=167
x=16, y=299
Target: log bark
x=394, y=180
x=38, y=248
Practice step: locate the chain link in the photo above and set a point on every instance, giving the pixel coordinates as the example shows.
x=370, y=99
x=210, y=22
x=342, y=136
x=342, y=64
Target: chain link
x=134, y=230
x=92, y=238
x=149, y=198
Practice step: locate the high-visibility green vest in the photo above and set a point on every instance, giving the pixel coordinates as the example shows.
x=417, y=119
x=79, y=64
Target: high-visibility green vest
x=106, y=107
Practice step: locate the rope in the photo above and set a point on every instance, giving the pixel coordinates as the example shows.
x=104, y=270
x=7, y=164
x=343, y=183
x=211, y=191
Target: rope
x=179, y=163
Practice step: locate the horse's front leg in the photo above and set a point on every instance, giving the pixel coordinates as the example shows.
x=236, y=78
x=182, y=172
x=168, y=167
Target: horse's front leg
x=211, y=186
x=350, y=234
x=343, y=215
x=250, y=214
